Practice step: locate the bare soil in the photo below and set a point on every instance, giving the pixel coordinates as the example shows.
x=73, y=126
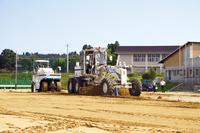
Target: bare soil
x=56, y=112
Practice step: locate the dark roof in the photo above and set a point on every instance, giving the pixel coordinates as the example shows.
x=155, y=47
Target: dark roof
x=180, y=47
x=124, y=49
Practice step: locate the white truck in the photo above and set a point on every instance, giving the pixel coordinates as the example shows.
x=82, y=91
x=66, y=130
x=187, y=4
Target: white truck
x=44, y=78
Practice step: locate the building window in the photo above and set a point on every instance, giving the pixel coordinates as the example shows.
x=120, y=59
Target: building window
x=157, y=57
x=177, y=72
x=153, y=57
x=190, y=73
x=197, y=72
x=150, y=58
x=174, y=72
x=181, y=72
x=139, y=57
x=164, y=55
x=166, y=73
x=185, y=73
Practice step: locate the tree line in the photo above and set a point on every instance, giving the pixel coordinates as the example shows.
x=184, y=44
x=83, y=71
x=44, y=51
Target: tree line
x=25, y=60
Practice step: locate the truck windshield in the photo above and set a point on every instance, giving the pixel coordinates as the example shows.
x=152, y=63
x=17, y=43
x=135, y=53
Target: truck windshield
x=41, y=65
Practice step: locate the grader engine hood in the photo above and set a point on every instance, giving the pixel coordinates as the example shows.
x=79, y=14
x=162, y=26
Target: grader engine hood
x=120, y=73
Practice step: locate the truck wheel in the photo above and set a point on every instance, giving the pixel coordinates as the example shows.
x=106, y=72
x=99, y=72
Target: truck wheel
x=76, y=87
x=32, y=87
x=44, y=86
x=70, y=86
x=106, y=87
x=136, y=88
x=58, y=86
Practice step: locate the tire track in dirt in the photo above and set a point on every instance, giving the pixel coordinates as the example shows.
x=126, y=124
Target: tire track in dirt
x=168, y=117
x=116, y=126
x=59, y=122
x=150, y=115
x=197, y=119
x=107, y=113
x=151, y=102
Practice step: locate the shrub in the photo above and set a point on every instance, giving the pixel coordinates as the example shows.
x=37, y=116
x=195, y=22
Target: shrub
x=146, y=76
x=160, y=75
x=135, y=75
x=152, y=73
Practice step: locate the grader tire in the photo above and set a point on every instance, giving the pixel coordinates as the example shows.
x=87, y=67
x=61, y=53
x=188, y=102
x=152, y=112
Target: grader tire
x=106, y=87
x=70, y=86
x=44, y=86
x=76, y=87
x=136, y=88
x=32, y=87
x=58, y=86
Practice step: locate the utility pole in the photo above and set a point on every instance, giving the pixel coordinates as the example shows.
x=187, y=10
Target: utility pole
x=192, y=56
x=67, y=59
x=16, y=71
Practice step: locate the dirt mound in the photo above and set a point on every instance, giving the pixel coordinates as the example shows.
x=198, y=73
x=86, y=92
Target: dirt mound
x=90, y=91
x=96, y=91
x=124, y=92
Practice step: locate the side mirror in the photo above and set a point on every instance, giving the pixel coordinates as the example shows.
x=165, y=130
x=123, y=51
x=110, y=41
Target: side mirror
x=59, y=68
x=111, y=58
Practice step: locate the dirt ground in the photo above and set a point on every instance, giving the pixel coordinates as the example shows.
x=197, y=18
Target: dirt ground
x=60, y=113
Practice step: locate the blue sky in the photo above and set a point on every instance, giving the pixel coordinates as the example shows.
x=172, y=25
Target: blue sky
x=46, y=26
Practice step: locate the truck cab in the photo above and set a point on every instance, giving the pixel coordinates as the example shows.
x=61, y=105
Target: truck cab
x=44, y=77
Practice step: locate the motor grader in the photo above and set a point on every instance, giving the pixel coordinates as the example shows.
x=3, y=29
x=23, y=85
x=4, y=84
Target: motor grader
x=44, y=78
x=105, y=79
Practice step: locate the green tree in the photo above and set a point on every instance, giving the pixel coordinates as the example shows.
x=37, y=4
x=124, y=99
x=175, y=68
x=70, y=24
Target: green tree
x=146, y=76
x=87, y=47
x=1, y=62
x=9, y=59
x=152, y=72
x=73, y=58
x=26, y=64
x=112, y=52
x=113, y=47
x=62, y=61
x=27, y=54
x=150, y=75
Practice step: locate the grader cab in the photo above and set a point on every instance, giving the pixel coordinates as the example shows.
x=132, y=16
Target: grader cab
x=94, y=71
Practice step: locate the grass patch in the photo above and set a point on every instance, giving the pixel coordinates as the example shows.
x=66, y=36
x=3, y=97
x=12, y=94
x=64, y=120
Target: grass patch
x=64, y=79
x=9, y=78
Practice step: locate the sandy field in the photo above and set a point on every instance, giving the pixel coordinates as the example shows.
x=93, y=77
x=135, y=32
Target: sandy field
x=63, y=113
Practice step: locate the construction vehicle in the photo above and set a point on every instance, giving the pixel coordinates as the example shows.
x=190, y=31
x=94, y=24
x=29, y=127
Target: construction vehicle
x=94, y=71
x=44, y=78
